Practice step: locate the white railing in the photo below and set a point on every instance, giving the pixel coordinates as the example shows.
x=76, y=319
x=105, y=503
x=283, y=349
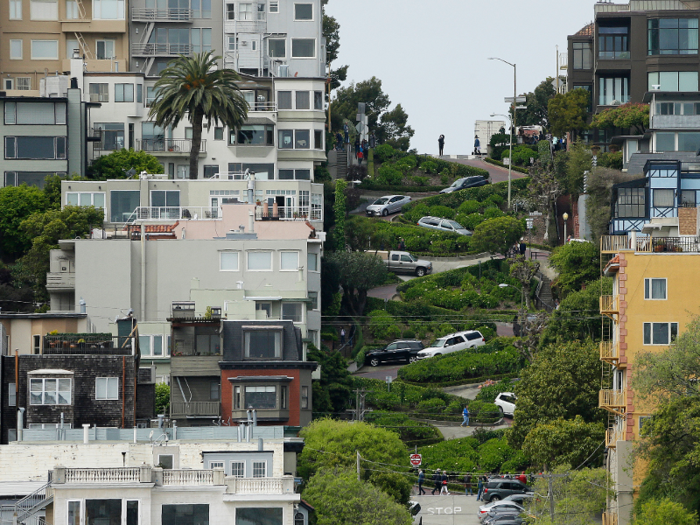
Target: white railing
x=195, y=408
x=259, y=485
x=150, y=14
x=103, y=475
x=172, y=213
x=161, y=49
x=289, y=213
x=232, y=175
x=263, y=106
x=188, y=477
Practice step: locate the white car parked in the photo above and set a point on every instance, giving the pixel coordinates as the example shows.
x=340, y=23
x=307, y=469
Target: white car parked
x=453, y=343
x=506, y=401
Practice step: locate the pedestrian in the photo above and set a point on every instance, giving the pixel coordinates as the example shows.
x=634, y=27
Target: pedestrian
x=480, y=488
x=444, y=484
x=342, y=336
x=372, y=140
x=421, y=479
x=441, y=144
x=338, y=141
x=360, y=155
x=477, y=145
x=437, y=481
x=468, y=485
x=522, y=478
x=465, y=416
x=357, y=145
x=402, y=245
x=346, y=130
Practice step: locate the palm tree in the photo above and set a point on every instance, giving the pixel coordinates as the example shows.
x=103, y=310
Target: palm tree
x=193, y=88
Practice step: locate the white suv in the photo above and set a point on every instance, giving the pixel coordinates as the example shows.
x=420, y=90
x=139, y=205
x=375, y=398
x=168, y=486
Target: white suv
x=453, y=343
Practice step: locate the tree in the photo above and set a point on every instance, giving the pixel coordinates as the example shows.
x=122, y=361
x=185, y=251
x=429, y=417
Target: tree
x=562, y=382
x=340, y=213
x=544, y=189
x=394, y=129
x=633, y=116
x=568, y=113
x=497, y=235
x=358, y=272
x=14, y=297
x=537, y=105
x=52, y=188
x=577, y=264
x=524, y=271
x=665, y=512
x=195, y=88
x=118, y=163
x=332, y=444
x=339, y=497
x=579, y=161
x=162, y=399
x=565, y=441
x=45, y=230
x=16, y=204
x=344, y=105
x=332, y=393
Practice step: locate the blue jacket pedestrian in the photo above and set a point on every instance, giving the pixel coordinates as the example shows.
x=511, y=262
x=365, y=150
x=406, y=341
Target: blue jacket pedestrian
x=465, y=416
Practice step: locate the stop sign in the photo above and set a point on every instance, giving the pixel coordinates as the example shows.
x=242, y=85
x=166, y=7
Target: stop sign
x=416, y=460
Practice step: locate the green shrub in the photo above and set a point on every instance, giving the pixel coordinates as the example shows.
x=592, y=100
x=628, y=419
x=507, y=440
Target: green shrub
x=431, y=405
x=443, y=212
x=455, y=407
x=360, y=357
x=380, y=324
x=408, y=334
x=471, y=221
x=407, y=164
x=517, y=463
x=429, y=166
x=389, y=175
x=420, y=181
x=469, y=207
x=481, y=412
x=404, y=426
x=384, y=152
x=445, y=177
x=493, y=454
x=482, y=435
x=492, y=213
x=488, y=393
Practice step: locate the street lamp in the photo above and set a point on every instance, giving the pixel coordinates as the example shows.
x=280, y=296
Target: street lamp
x=522, y=293
x=566, y=218
x=513, y=120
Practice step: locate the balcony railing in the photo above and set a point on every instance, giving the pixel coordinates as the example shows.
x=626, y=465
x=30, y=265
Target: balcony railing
x=195, y=408
x=609, y=304
x=612, y=436
x=88, y=344
x=60, y=280
x=172, y=213
x=614, y=243
x=103, y=475
x=612, y=400
x=259, y=485
x=139, y=14
x=610, y=352
x=169, y=146
x=263, y=106
x=188, y=477
x=613, y=55
x=668, y=245
x=288, y=213
x=152, y=50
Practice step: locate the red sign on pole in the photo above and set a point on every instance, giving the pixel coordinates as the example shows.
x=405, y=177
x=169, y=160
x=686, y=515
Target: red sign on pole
x=416, y=460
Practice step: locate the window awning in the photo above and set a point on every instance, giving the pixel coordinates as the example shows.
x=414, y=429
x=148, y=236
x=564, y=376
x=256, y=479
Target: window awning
x=49, y=371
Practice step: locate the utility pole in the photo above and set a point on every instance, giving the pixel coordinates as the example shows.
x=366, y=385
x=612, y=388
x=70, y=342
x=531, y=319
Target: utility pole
x=551, y=499
x=358, y=464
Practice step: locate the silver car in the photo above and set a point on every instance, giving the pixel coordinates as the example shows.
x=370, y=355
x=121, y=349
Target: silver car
x=443, y=225
x=388, y=204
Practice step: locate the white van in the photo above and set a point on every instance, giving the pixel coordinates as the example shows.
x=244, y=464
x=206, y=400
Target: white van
x=453, y=343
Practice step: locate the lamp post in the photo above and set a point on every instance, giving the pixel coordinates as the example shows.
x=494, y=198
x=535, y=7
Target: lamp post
x=513, y=120
x=521, y=290
x=566, y=218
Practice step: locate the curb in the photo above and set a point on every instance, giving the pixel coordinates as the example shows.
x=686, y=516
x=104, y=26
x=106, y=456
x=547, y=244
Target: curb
x=482, y=255
x=457, y=424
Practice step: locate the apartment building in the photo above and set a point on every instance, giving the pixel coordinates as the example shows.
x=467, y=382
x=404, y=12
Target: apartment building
x=654, y=275
x=632, y=48
x=40, y=37
x=24, y=333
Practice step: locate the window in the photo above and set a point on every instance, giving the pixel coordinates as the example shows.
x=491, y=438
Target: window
x=672, y=36
x=139, y=93
x=50, y=391
x=230, y=11
x=291, y=312
x=302, y=139
x=613, y=91
x=201, y=40
x=688, y=198
x=11, y=394
x=15, y=9
x=264, y=307
x=261, y=397
x=112, y=135
x=105, y=49
x=285, y=140
x=643, y=420
x=654, y=288
x=312, y=262
x=673, y=80
x=583, y=56
x=123, y=92
x=260, y=261
x=72, y=12
x=303, y=100
x=150, y=95
x=25, y=84
x=238, y=467
x=132, y=513
x=277, y=48
x=305, y=397
x=99, y=92
x=106, y=388
x=663, y=198
x=318, y=139
x=162, y=198
x=260, y=467
x=263, y=344
x=152, y=345
x=665, y=142
x=123, y=204
x=274, y=6
x=245, y=11
x=303, y=11
x=259, y=516
x=218, y=133
x=35, y=113
x=185, y=514
x=214, y=394
x=289, y=261
x=44, y=49
x=74, y=513
x=8, y=83
x=96, y=199
x=108, y=9
x=35, y=147
x=201, y=8
x=216, y=464
x=316, y=206
x=688, y=141
x=103, y=511
x=613, y=43
x=37, y=344
x=43, y=9
x=256, y=135
x=30, y=178
x=283, y=397
x=165, y=461
x=16, y=49
x=303, y=48
x=228, y=261
x=299, y=519
x=660, y=333
x=284, y=99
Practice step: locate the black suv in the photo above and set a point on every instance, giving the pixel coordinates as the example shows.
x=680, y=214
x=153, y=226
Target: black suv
x=496, y=489
x=464, y=183
x=396, y=351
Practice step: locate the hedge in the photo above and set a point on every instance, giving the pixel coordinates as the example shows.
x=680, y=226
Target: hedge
x=499, y=163
x=367, y=184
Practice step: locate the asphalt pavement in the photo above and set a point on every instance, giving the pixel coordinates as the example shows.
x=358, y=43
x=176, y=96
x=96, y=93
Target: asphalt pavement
x=455, y=509
x=497, y=173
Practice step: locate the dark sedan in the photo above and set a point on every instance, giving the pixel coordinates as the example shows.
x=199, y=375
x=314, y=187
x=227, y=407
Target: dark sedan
x=404, y=351
x=464, y=183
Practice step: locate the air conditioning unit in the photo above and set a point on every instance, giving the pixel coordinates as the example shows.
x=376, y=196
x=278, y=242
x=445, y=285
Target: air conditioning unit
x=283, y=70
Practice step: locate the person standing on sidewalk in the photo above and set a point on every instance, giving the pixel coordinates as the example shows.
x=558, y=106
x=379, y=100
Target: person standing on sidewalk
x=421, y=479
x=465, y=416
x=342, y=336
x=441, y=144
x=437, y=481
x=444, y=484
x=468, y=485
x=480, y=488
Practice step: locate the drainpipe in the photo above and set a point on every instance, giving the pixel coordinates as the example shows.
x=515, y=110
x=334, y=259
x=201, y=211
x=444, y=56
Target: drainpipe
x=143, y=271
x=251, y=221
x=20, y=424
x=86, y=433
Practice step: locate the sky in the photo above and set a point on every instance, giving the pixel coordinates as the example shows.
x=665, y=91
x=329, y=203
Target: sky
x=432, y=56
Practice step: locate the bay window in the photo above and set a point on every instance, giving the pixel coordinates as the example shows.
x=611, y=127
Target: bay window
x=672, y=36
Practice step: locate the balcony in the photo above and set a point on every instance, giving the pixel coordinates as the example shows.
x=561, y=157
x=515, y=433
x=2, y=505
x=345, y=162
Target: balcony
x=60, y=281
x=139, y=14
x=668, y=245
x=172, y=213
x=610, y=353
x=195, y=408
x=609, y=305
x=170, y=147
x=195, y=366
x=612, y=436
x=87, y=344
x=164, y=50
x=288, y=213
x=613, y=400
x=615, y=243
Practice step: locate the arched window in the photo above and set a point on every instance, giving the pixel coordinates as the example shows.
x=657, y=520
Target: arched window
x=299, y=519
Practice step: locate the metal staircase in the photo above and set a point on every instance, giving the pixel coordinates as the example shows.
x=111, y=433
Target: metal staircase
x=27, y=508
x=83, y=45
